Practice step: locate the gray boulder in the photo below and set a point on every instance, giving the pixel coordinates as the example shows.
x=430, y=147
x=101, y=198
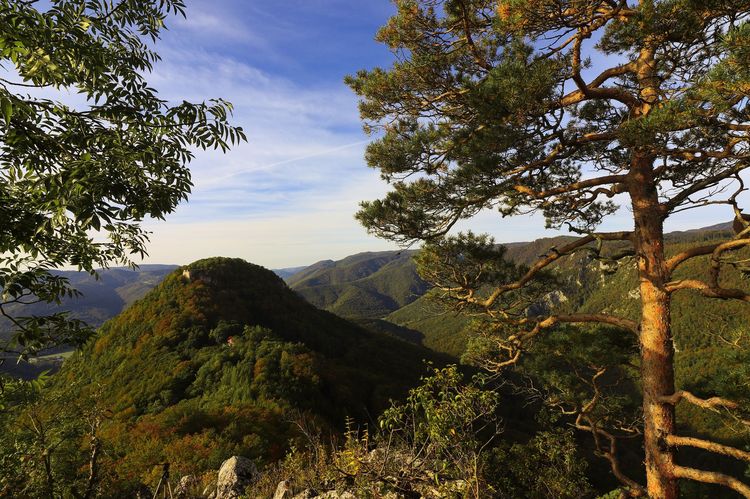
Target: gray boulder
x=235, y=475
x=283, y=490
x=187, y=488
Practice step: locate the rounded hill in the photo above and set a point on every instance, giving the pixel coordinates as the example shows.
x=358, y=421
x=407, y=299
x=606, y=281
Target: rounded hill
x=222, y=354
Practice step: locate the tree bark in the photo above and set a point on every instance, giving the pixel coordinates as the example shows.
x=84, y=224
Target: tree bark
x=656, y=347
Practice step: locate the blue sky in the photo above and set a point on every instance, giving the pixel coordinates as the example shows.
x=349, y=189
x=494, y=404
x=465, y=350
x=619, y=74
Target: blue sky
x=288, y=196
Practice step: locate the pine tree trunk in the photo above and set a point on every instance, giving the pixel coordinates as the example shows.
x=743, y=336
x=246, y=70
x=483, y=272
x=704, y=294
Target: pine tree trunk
x=657, y=350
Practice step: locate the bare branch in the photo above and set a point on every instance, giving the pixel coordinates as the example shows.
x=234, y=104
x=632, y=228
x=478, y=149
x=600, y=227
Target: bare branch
x=586, y=423
x=712, y=404
x=688, y=254
x=677, y=441
x=553, y=255
x=612, y=320
x=716, y=257
x=617, y=180
x=701, y=185
x=478, y=58
x=707, y=290
x=712, y=477
x=711, y=249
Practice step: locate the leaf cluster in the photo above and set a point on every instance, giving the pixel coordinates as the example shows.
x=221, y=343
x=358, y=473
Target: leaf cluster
x=77, y=180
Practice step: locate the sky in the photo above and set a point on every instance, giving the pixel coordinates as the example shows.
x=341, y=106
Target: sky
x=288, y=196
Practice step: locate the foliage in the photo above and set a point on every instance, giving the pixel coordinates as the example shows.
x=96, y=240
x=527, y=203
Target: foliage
x=448, y=424
x=218, y=364
x=442, y=441
x=77, y=180
x=43, y=434
x=432, y=444
x=546, y=466
x=497, y=105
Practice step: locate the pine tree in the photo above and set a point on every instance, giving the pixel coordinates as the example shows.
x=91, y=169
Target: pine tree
x=567, y=107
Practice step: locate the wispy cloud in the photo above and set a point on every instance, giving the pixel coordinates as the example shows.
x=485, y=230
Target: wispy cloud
x=288, y=196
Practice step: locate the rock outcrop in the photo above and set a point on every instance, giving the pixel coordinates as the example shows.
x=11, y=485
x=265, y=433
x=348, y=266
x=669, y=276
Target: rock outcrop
x=235, y=475
x=284, y=490
x=187, y=488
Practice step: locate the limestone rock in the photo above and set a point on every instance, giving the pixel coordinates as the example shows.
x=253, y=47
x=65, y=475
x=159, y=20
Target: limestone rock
x=283, y=490
x=235, y=475
x=337, y=495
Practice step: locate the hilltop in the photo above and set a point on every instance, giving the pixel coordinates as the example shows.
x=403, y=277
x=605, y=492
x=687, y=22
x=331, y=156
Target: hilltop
x=221, y=356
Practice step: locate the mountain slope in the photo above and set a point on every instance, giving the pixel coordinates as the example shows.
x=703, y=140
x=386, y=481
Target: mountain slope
x=586, y=285
x=101, y=298
x=222, y=354
x=363, y=286
x=288, y=272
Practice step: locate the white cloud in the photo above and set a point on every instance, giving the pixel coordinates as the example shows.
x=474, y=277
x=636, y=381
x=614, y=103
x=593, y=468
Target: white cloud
x=289, y=195
x=324, y=228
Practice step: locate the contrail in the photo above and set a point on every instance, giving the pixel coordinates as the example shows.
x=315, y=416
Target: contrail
x=291, y=160
x=313, y=155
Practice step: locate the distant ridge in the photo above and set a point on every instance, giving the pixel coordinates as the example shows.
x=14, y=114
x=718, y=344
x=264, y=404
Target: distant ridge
x=366, y=287
x=288, y=272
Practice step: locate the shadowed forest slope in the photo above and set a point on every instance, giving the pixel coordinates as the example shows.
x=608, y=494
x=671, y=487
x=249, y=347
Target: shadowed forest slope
x=221, y=356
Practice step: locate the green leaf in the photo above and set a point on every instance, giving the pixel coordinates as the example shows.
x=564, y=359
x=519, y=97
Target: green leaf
x=6, y=106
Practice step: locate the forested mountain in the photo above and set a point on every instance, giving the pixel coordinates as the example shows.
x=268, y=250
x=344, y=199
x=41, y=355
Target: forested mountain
x=383, y=292
x=106, y=294
x=223, y=358
x=587, y=285
x=363, y=286
x=378, y=290
x=220, y=359
x=101, y=297
x=287, y=272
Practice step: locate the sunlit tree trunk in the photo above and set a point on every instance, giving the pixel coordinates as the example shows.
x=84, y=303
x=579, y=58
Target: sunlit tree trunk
x=657, y=351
